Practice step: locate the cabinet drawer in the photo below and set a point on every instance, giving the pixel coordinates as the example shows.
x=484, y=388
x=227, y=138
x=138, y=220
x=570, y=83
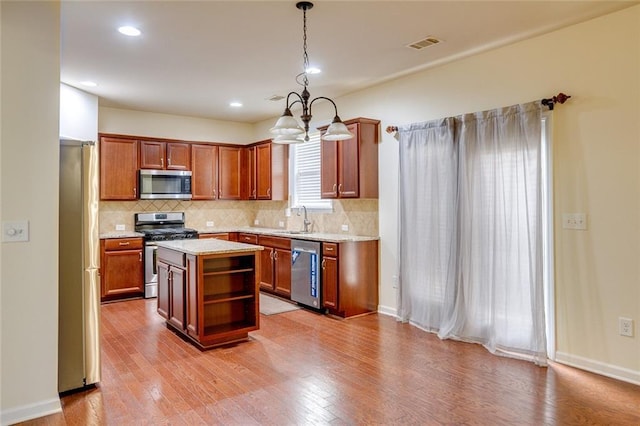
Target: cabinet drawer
x=123, y=243
x=330, y=249
x=247, y=238
x=172, y=257
x=218, y=235
x=276, y=242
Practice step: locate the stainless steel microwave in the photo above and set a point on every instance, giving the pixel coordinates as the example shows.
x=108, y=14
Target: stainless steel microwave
x=165, y=184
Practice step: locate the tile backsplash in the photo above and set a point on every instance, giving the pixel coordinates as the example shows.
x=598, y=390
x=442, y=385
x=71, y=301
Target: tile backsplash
x=359, y=215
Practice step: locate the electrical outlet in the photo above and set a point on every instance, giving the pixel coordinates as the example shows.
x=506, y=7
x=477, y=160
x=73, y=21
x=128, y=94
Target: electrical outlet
x=120, y=227
x=209, y=224
x=574, y=221
x=626, y=326
x=256, y=222
x=281, y=224
x=287, y=212
x=345, y=227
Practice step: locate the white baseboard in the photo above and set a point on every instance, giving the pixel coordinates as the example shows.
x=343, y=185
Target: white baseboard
x=604, y=369
x=386, y=310
x=31, y=411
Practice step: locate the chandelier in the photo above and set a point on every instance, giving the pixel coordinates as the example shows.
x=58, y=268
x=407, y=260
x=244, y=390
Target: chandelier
x=287, y=129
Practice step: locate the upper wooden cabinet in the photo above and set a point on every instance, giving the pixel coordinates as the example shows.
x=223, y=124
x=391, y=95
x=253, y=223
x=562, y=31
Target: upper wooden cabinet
x=216, y=172
x=266, y=171
x=229, y=173
x=165, y=155
x=204, y=172
x=349, y=168
x=118, y=168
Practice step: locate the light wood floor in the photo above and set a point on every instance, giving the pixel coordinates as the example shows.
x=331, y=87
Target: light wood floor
x=304, y=368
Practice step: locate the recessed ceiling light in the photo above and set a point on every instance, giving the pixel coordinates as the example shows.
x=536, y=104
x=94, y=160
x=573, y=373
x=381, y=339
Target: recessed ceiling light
x=129, y=31
x=89, y=83
x=235, y=104
x=312, y=70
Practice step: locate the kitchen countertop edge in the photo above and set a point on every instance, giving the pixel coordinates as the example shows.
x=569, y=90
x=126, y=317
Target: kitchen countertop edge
x=198, y=247
x=312, y=236
x=120, y=234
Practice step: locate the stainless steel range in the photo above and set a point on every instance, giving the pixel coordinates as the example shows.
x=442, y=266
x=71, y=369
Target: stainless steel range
x=159, y=227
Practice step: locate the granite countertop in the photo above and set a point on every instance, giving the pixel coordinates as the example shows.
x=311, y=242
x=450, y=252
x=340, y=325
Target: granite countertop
x=312, y=236
x=120, y=234
x=208, y=246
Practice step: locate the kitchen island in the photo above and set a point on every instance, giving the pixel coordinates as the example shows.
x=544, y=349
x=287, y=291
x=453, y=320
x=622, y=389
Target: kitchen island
x=208, y=290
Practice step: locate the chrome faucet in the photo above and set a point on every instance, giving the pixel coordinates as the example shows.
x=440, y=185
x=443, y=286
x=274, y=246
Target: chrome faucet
x=306, y=221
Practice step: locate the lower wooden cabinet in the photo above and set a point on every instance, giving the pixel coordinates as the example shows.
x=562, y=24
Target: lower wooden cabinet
x=275, y=260
x=350, y=277
x=121, y=270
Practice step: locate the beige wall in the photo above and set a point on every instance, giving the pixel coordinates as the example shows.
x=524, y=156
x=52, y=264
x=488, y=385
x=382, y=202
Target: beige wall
x=597, y=167
x=140, y=123
x=29, y=177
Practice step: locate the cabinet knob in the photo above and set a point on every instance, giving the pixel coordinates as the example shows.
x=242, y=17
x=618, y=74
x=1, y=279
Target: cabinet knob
x=161, y=162
x=268, y=192
x=340, y=189
x=275, y=255
x=324, y=263
x=124, y=243
x=134, y=192
x=168, y=161
x=140, y=254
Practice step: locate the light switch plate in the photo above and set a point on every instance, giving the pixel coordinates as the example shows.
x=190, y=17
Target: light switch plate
x=256, y=222
x=15, y=231
x=281, y=224
x=345, y=227
x=209, y=224
x=120, y=227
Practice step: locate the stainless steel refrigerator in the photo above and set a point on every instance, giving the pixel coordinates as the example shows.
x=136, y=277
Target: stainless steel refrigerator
x=78, y=278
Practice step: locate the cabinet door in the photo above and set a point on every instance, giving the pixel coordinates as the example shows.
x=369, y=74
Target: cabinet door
x=283, y=272
x=348, y=165
x=330, y=282
x=152, y=155
x=118, y=169
x=204, y=167
x=266, y=268
x=229, y=166
x=176, y=299
x=178, y=156
x=263, y=171
x=163, y=289
x=329, y=169
x=123, y=272
x=249, y=173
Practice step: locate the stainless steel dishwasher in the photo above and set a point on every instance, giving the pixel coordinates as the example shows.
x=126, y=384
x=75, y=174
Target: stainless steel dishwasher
x=305, y=273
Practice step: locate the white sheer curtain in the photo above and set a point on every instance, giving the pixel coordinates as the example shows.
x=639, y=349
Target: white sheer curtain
x=471, y=229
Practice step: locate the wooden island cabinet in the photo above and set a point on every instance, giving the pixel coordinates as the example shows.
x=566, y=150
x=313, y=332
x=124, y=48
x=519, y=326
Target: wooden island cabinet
x=208, y=289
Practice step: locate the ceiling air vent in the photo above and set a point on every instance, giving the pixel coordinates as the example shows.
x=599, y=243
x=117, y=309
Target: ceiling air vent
x=426, y=42
x=275, y=98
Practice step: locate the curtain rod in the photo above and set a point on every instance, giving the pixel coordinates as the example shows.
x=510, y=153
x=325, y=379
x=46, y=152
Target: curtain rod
x=560, y=98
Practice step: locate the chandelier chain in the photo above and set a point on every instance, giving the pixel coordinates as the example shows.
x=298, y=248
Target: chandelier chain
x=304, y=47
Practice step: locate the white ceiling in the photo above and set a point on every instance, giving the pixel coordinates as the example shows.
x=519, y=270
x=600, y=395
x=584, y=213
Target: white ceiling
x=193, y=58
